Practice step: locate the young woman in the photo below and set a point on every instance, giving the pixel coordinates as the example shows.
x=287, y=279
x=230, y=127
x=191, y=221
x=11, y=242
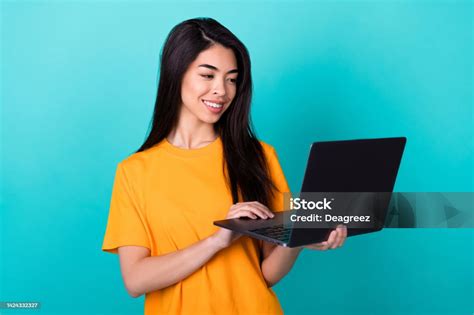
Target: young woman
x=201, y=162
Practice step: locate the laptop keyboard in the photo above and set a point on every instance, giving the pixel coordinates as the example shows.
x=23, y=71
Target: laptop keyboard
x=278, y=232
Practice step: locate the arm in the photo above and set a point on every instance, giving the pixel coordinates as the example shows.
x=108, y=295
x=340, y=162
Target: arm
x=143, y=273
x=277, y=261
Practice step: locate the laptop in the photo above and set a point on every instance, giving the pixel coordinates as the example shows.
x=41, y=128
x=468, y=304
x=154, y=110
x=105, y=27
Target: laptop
x=346, y=170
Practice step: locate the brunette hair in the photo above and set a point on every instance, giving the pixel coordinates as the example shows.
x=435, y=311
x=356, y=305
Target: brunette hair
x=245, y=166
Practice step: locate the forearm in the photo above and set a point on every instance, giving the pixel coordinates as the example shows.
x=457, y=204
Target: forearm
x=158, y=272
x=279, y=263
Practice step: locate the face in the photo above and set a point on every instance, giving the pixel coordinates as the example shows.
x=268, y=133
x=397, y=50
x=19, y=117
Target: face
x=209, y=85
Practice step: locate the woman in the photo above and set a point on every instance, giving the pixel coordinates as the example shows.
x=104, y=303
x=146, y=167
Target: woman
x=201, y=162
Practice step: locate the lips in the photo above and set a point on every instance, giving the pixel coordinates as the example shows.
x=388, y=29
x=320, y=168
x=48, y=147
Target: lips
x=213, y=106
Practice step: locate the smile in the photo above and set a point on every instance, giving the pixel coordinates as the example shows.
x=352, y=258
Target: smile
x=213, y=105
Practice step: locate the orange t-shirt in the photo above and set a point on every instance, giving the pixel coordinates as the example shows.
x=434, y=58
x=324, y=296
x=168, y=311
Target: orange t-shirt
x=165, y=199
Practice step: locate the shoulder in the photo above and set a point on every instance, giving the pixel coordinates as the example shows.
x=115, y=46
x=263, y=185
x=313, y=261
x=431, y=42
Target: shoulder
x=270, y=155
x=276, y=171
x=268, y=149
x=137, y=164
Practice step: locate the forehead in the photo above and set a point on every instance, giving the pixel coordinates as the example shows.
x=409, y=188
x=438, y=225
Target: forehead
x=218, y=56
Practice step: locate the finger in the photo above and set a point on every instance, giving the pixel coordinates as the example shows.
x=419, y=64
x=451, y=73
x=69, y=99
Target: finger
x=260, y=208
x=255, y=210
x=344, y=238
x=237, y=209
x=339, y=238
x=242, y=213
x=332, y=238
x=342, y=235
x=263, y=208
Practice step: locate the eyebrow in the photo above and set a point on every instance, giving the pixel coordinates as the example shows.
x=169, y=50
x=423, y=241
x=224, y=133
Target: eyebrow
x=214, y=68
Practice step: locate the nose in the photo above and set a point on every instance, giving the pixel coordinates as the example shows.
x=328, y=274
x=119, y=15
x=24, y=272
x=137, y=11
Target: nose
x=219, y=88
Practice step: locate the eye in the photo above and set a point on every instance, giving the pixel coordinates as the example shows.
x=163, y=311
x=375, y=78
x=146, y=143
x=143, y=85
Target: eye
x=233, y=81
x=207, y=76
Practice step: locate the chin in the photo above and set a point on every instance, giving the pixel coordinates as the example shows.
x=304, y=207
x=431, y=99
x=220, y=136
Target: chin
x=210, y=119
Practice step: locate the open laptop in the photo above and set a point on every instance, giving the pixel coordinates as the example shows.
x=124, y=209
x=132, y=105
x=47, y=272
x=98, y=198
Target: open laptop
x=336, y=168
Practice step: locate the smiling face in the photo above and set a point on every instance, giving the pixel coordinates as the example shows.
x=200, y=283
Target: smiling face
x=209, y=85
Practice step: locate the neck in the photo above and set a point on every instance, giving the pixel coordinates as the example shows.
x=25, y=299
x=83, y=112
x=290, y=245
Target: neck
x=190, y=133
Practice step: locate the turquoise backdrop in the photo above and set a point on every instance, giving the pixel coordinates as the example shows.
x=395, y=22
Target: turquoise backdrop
x=78, y=88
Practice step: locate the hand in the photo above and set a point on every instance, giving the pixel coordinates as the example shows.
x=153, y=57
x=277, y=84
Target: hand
x=336, y=239
x=252, y=209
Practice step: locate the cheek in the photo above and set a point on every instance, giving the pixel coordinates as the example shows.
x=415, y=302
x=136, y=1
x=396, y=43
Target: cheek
x=191, y=91
x=200, y=90
x=232, y=92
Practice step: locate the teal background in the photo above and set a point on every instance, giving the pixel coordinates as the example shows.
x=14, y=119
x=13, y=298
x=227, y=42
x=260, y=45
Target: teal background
x=78, y=88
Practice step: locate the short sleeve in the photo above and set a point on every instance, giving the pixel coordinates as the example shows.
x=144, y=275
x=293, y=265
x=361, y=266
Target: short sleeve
x=126, y=223
x=279, y=180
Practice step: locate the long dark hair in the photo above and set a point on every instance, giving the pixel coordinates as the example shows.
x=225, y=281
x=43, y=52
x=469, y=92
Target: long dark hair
x=245, y=166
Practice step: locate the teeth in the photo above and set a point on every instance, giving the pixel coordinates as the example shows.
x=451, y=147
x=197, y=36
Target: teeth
x=213, y=104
